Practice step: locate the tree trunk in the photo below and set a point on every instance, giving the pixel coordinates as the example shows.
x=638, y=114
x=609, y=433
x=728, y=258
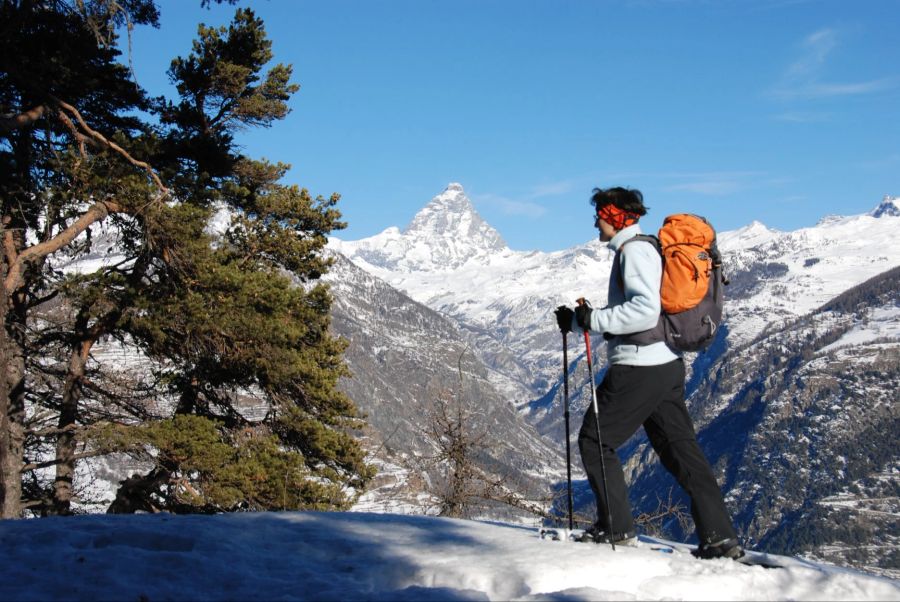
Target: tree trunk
x=12, y=453
x=5, y=492
x=66, y=441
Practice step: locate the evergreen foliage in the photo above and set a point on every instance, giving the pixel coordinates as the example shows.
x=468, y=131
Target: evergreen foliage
x=229, y=319
x=873, y=291
x=215, y=469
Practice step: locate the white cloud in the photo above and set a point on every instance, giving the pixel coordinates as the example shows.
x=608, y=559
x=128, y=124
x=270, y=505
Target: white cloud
x=719, y=183
x=526, y=205
x=712, y=183
x=511, y=206
x=811, y=90
x=889, y=161
x=804, y=116
x=805, y=77
x=707, y=187
x=552, y=189
x=816, y=48
x=794, y=198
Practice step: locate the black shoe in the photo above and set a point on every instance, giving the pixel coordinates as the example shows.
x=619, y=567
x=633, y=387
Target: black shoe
x=596, y=534
x=727, y=548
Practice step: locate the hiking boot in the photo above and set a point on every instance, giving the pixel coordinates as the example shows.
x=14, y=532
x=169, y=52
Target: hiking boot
x=597, y=534
x=727, y=548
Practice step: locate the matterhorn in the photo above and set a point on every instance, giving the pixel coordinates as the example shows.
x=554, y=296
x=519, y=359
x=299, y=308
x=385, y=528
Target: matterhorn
x=445, y=234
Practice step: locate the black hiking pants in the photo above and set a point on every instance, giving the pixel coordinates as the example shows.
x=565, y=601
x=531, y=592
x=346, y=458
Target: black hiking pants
x=652, y=396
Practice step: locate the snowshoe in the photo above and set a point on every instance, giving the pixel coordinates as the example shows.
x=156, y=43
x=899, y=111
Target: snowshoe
x=727, y=548
x=596, y=534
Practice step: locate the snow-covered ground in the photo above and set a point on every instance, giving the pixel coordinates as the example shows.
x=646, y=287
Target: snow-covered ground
x=881, y=324
x=364, y=556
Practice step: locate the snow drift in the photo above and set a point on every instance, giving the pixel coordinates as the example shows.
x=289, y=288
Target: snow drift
x=361, y=556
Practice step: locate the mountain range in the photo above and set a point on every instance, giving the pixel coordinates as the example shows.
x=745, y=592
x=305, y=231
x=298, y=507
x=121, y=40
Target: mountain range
x=793, y=394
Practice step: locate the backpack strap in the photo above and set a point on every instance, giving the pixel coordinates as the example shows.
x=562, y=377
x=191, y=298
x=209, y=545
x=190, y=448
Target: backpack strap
x=657, y=333
x=617, y=262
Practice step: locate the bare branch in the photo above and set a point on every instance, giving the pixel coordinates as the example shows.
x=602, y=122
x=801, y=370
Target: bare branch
x=81, y=138
x=653, y=523
x=54, y=462
x=95, y=213
x=53, y=430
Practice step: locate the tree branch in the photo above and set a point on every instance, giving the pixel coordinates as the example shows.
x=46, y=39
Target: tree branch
x=11, y=123
x=95, y=213
x=49, y=463
x=52, y=430
x=98, y=138
x=9, y=242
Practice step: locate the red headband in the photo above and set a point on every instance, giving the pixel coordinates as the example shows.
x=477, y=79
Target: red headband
x=615, y=217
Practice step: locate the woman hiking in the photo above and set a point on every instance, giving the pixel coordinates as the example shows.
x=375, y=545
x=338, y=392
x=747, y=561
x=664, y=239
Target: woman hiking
x=644, y=385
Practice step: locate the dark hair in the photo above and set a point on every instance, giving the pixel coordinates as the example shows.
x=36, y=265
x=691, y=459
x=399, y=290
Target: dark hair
x=626, y=199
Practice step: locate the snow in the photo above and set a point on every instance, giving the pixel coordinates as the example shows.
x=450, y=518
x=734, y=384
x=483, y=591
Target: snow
x=747, y=237
x=883, y=323
x=890, y=206
x=364, y=556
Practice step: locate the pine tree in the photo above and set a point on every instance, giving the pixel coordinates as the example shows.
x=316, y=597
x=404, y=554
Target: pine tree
x=226, y=318
x=58, y=176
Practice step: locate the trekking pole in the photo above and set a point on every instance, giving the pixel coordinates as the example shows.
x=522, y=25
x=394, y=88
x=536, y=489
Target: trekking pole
x=568, y=445
x=587, y=346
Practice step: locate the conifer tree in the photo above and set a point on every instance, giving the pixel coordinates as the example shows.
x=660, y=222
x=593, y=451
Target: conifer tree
x=227, y=318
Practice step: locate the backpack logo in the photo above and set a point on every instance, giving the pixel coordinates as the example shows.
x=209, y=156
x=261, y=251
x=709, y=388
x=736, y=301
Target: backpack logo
x=691, y=288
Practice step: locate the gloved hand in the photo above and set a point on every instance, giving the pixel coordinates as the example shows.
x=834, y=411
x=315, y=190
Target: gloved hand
x=564, y=318
x=583, y=314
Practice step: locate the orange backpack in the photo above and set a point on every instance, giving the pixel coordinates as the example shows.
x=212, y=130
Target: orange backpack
x=687, y=243
x=691, y=288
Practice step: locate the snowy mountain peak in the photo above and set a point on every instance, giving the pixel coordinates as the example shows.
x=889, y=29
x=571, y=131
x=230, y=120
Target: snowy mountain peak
x=444, y=235
x=439, y=213
x=890, y=206
x=451, y=215
x=747, y=237
x=755, y=228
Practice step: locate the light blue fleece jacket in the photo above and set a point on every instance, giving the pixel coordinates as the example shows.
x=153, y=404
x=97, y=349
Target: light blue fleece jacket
x=635, y=306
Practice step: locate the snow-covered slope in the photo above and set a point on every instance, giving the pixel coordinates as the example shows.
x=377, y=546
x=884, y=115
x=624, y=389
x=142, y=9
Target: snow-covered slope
x=781, y=275
x=327, y=556
x=406, y=360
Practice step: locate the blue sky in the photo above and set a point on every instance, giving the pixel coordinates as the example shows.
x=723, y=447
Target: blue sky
x=781, y=111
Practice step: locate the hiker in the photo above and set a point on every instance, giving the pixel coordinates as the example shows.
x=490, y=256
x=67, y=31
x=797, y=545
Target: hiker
x=644, y=385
